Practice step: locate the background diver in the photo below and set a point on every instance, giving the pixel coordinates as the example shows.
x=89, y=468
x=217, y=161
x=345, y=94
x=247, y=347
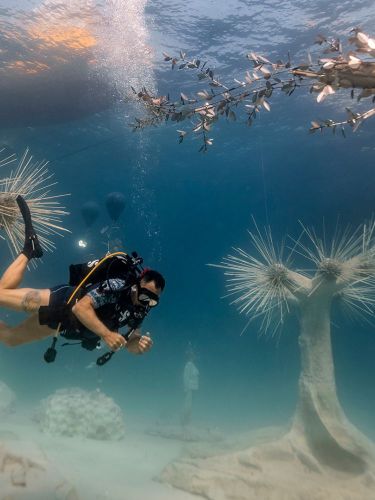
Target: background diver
x=97, y=314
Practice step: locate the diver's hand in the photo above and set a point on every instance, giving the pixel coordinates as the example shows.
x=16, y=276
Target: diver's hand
x=145, y=343
x=139, y=344
x=114, y=341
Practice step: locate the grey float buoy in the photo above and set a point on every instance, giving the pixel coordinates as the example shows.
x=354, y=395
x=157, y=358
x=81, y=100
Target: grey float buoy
x=115, y=204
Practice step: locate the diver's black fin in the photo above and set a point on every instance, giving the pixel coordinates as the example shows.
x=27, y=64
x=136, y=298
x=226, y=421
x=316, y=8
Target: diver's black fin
x=31, y=248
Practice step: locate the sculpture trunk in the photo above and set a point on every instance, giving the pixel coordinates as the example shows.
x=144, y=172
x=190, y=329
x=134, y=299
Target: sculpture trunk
x=319, y=417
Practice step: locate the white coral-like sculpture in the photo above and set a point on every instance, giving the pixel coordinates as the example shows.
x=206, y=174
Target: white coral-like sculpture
x=26, y=474
x=323, y=455
x=76, y=412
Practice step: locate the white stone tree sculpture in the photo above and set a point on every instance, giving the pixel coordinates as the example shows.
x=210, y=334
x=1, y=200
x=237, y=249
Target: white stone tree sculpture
x=323, y=455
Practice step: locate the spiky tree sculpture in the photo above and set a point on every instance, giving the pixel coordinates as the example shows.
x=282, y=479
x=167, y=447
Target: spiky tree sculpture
x=322, y=445
x=33, y=181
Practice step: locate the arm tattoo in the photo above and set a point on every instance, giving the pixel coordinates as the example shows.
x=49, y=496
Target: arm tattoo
x=31, y=301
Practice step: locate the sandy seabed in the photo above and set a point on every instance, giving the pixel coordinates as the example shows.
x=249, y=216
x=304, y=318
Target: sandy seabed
x=256, y=465
x=97, y=470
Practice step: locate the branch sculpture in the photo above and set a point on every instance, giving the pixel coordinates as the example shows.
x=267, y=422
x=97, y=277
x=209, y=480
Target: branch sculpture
x=353, y=70
x=323, y=455
x=33, y=181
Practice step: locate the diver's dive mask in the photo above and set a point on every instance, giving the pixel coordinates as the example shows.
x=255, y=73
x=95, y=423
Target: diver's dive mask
x=147, y=298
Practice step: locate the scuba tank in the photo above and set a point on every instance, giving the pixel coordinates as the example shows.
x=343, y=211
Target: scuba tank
x=115, y=265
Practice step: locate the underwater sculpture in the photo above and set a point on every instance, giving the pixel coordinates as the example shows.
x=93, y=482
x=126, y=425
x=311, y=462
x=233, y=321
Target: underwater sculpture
x=323, y=455
x=76, y=412
x=33, y=181
x=191, y=385
x=186, y=430
x=352, y=70
x=26, y=473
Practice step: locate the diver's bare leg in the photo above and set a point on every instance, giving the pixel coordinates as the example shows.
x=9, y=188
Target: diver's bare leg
x=27, y=331
x=24, y=299
x=14, y=274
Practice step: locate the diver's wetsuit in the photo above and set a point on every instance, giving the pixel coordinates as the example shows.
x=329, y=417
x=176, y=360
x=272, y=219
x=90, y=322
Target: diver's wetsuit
x=112, y=303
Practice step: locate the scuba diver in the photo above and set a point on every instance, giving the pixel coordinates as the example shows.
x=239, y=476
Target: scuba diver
x=101, y=298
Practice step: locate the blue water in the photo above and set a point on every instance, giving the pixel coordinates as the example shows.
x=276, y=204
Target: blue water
x=185, y=210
